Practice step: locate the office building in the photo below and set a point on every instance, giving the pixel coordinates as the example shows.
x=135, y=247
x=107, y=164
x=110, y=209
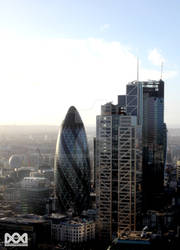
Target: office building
x=178, y=170
x=94, y=163
x=33, y=195
x=72, y=164
x=130, y=157
x=118, y=171
x=146, y=101
x=154, y=141
x=74, y=230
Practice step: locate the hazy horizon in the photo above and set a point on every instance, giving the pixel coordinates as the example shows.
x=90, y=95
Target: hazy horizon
x=60, y=56
x=56, y=125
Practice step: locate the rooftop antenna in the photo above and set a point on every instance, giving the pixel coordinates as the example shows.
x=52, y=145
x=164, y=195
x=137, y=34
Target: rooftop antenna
x=137, y=69
x=161, y=70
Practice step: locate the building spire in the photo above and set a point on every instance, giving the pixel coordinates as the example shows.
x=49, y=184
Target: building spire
x=161, y=70
x=137, y=69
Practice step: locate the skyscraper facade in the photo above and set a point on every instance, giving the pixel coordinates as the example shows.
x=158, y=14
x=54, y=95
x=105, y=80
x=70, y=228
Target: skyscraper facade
x=118, y=171
x=154, y=141
x=146, y=101
x=72, y=164
x=130, y=157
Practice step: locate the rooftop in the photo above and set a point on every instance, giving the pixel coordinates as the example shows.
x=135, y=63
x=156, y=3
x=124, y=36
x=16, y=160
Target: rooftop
x=23, y=219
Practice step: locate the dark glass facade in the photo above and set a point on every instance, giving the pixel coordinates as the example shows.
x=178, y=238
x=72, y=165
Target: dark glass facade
x=72, y=164
x=154, y=143
x=146, y=101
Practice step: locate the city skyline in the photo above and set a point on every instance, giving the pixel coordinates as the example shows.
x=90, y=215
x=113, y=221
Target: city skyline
x=54, y=55
x=89, y=128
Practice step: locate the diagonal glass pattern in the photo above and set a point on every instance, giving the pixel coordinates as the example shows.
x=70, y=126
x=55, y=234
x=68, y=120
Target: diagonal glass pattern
x=72, y=164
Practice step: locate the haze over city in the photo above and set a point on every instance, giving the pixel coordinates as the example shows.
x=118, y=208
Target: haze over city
x=54, y=54
x=89, y=124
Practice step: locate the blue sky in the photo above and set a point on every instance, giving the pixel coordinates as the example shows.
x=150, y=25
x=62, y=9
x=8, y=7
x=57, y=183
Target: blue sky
x=54, y=54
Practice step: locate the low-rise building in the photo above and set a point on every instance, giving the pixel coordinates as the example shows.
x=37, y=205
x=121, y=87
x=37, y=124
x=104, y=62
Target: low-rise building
x=178, y=170
x=36, y=227
x=75, y=230
x=156, y=219
x=34, y=193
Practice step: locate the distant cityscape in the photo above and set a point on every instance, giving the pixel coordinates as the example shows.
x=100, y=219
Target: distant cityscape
x=112, y=186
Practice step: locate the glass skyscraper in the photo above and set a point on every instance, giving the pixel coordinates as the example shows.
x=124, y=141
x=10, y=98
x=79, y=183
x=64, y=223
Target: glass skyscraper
x=146, y=100
x=130, y=158
x=72, y=164
x=154, y=142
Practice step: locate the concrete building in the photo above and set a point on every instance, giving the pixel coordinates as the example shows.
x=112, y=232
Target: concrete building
x=73, y=230
x=34, y=183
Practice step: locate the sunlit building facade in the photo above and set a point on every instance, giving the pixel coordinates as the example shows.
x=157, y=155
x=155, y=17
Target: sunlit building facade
x=118, y=172
x=72, y=164
x=130, y=157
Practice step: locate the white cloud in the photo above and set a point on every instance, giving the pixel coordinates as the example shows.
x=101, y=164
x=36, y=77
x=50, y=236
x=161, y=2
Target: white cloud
x=104, y=27
x=155, y=57
x=40, y=79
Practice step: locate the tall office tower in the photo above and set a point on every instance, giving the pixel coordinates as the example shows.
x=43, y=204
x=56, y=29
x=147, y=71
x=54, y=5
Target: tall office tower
x=94, y=163
x=146, y=101
x=72, y=164
x=154, y=141
x=118, y=171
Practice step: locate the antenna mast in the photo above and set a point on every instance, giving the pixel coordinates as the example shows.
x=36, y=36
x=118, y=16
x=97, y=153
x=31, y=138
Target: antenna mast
x=161, y=69
x=137, y=69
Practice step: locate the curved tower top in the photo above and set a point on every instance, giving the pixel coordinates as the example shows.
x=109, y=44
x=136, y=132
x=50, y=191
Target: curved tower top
x=72, y=164
x=72, y=119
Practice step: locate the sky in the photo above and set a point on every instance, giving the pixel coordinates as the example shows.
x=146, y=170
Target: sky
x=59, y=53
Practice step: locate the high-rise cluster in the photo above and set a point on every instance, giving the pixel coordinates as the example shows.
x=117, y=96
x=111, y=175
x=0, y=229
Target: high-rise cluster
x=129, y=159
x=130, y=155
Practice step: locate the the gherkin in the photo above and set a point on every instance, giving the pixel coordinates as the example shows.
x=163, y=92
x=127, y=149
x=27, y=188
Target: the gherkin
x=72, y=164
